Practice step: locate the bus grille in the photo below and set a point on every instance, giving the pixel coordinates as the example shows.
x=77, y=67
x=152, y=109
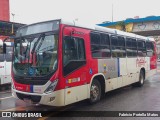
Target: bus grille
x=33, y=98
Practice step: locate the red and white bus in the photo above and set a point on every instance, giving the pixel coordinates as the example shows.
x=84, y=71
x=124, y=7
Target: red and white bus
x=58, y=62
x=5, y=61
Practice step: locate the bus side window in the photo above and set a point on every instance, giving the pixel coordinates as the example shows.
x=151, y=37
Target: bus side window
x=141, y=48
x=118, y=46
x=105, y=46
x=149, y=48
x=100, y=45
x=121, y=47
x=134, y=47
x=9, y=52
x=1, y=54
x=114, y=44
x=1, y=49
x=95, y=45
x=131, y=47
x=128, y=47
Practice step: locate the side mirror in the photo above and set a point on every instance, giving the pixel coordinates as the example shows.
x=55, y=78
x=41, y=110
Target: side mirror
x=4, y=48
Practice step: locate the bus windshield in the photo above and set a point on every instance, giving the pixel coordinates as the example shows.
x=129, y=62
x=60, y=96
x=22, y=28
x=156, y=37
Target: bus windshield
x=35, y=55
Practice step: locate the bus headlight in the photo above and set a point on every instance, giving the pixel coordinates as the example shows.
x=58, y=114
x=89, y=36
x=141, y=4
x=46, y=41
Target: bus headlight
x=51, y=87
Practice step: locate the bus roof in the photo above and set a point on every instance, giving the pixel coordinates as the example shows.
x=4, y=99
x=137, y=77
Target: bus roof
x=104, y=29
x=96, y=27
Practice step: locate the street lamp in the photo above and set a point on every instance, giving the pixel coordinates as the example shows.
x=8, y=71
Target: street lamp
x=13, y=23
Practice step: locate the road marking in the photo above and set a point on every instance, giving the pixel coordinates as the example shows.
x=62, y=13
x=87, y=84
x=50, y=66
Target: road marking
x=6, y=98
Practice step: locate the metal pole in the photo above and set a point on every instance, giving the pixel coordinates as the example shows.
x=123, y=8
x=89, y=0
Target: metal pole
x=112, y=12
x=13, y=23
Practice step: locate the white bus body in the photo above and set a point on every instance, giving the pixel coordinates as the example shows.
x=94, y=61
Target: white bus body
x=5, y=63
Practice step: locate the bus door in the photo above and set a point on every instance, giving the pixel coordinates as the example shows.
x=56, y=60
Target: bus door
x=8, y=62
x=74, y=64
x=131, y=49
x=2, y=65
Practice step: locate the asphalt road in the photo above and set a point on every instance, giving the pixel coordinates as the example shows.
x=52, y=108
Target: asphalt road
x=146, y=98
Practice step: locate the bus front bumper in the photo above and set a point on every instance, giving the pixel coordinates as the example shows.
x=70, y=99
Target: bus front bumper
x=55, y=98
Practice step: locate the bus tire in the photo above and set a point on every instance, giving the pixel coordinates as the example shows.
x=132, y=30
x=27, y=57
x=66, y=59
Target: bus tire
x=141, y=79
x=95, y=91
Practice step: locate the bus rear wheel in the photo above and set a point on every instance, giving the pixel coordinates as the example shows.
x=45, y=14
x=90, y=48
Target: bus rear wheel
x=141, y=79
x=95, y=91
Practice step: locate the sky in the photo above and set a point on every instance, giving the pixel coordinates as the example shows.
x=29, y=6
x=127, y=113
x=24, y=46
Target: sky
x=85, y=11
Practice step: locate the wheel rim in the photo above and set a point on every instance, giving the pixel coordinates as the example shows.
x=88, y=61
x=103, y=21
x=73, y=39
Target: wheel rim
x=94, y=92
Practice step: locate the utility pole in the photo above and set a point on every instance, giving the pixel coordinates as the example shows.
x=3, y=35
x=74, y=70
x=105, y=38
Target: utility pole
x=112, y=12
x=13, y=23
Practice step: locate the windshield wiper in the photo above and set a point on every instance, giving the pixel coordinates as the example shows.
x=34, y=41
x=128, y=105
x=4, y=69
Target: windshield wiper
x=40, y=44
x=35, y=44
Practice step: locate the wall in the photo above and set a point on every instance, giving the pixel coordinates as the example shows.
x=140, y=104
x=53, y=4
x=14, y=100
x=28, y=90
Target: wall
x=146, y=26
x=4, y=10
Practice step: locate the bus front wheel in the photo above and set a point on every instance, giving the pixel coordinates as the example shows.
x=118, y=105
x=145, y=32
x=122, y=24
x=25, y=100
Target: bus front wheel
x=95, y=91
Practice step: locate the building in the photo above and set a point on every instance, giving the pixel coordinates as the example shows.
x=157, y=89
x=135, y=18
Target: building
x=7, y=28
x=148, y=26
x=4, y=10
